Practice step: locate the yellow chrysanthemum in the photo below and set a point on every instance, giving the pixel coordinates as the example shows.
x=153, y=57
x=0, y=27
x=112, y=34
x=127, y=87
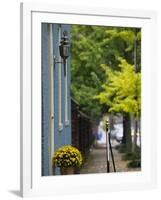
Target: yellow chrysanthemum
x=67, y=156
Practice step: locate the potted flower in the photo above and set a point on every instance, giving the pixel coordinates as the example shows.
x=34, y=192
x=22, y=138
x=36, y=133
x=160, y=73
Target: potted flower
x=67, y=158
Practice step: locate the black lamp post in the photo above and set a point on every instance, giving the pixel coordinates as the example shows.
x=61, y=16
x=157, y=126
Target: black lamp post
x=64, y=49
x=107, y=147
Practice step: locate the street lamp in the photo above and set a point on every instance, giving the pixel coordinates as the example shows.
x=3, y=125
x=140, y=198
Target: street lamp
x=107, y=147
x=64, y=50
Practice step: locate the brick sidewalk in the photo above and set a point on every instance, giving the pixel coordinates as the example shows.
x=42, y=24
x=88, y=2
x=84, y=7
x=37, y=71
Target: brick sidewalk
x=96, y=162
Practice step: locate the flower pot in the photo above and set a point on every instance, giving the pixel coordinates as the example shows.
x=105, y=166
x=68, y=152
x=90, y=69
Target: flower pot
x=67, y=170
x=67, y=158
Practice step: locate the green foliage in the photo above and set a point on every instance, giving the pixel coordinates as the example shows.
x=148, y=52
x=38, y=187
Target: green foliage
x=121, y=92
x=92, y=49
x=134, y=158
x=131, y=156
x=134, y=164
x=120, y=42
x=86, y=75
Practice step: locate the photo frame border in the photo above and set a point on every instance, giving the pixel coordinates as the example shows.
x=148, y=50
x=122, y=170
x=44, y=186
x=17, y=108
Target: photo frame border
x=30, y=185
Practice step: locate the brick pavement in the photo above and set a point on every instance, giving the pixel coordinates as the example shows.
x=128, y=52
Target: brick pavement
x=96, y=162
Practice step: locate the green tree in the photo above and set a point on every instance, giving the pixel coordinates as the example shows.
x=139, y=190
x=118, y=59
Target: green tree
x=122, y=92
x=125, y=43
x=86, y=74
x=92, y=46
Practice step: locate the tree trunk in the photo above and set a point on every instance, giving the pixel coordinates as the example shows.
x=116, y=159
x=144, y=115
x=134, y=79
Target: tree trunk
x=124, y=136
x=135, y=135
x=127, y=132
x=139, y=133
x=135, y=120
x=111, y=121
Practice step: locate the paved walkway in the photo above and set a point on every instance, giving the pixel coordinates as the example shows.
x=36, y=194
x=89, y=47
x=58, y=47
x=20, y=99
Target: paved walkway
x=96, y=162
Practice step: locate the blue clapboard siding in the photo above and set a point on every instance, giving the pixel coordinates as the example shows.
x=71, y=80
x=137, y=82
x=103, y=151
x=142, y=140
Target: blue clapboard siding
x=45, y=94
x=62, y=137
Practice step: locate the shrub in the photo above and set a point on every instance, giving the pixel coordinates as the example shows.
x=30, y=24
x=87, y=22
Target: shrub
x=134, y=164
x=131, y=156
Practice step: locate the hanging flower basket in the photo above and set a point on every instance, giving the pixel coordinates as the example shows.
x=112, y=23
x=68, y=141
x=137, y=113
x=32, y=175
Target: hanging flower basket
x=67, y=158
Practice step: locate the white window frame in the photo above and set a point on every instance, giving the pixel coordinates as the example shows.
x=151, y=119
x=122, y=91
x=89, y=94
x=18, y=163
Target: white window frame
x=32, y=183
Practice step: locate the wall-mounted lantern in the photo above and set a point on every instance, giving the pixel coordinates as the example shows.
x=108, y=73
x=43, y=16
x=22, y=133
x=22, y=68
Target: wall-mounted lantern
x=64, y=49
